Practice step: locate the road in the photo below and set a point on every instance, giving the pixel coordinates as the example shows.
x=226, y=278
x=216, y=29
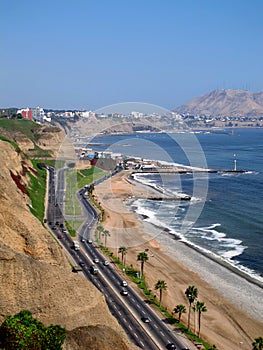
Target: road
x=128, y=309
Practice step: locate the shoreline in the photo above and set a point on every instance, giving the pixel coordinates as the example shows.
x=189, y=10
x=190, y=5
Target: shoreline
x=210, y=255
x=235, y=312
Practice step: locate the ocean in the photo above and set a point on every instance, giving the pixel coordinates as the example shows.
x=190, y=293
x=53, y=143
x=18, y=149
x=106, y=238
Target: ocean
x=224, y=215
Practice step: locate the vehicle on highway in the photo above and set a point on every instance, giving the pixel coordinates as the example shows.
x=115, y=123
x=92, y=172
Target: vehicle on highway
x=82, y=240
x=94, y=270
x=75, y=245
x=59, y=236
x=124, y=283
x=124, y=292
x=89, y=241
x=96, y=260
x=145, y=319
x=82, y=264
x=170, y=346
x=106, y=263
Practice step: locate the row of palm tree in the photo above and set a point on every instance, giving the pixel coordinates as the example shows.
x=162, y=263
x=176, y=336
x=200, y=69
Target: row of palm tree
x=191, y=292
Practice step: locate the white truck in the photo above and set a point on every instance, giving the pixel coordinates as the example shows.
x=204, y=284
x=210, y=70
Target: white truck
x=75, y=245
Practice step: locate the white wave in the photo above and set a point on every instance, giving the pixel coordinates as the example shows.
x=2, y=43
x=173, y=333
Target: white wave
x=152, y=183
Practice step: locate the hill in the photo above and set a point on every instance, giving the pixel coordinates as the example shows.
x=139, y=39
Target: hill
x=229, y=103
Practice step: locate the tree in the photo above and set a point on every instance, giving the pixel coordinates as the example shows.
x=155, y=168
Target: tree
x=142, y=257
x=180, y=309
x=258, y=344
x=161, y=285
x=200, y=307
x=100, y=229
x=23, y=332
x=191, y=294
x=91, y=189
x=106, y=234
x=123, y=251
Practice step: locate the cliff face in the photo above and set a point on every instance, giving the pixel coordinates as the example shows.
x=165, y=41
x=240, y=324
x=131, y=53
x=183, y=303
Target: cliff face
x=35, y=272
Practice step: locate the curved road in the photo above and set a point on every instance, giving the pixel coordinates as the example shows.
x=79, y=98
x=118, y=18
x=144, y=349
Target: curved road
x=128, y=309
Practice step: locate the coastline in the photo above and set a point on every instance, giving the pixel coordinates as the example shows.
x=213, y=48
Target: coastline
x=234, y=303
x=210, y=255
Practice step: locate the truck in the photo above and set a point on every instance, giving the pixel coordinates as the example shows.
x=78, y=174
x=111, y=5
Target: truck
x=75, y=245
x=94, y=270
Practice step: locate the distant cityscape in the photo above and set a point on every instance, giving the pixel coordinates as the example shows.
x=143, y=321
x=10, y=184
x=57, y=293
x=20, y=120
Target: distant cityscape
x=42, y=115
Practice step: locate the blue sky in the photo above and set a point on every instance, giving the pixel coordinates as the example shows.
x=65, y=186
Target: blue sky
x=86, y=54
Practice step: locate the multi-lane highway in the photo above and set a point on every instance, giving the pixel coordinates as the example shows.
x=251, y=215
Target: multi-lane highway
x=130, y=309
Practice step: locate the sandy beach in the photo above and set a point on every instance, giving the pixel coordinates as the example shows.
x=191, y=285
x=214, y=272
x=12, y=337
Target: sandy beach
x=234, y=316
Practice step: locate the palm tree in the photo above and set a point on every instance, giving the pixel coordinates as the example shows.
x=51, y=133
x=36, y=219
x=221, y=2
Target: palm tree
x=200, y=307
x=258, y=344
x=123, y=251
x=100, y=229
x=105, y=233
x=161, y=285
x=180, y=309
x=191, y=294
x=142, y=257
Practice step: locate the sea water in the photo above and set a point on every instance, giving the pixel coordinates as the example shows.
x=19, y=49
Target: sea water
x=224, y=215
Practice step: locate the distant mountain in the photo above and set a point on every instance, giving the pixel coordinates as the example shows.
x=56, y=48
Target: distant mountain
x=226, y=103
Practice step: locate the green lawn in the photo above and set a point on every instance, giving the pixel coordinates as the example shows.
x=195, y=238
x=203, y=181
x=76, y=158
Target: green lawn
x=87, y=176
x=26, y=127
x=37, y=191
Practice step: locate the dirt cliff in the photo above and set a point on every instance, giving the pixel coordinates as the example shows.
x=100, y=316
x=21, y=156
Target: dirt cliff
x=35, y=272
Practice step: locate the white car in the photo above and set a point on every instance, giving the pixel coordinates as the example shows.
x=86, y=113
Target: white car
x=106, y=263
x=124, y=283
x=124, y=292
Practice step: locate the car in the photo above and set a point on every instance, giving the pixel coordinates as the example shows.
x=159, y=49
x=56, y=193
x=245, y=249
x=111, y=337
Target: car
x=145, y=319
x=124, y=283
x=170, y=346
x=96, y=260
x=106, y=263
x=82, y=264
x=59, y=236
x=89, y=241
x=82, y=240
x=124, y=292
